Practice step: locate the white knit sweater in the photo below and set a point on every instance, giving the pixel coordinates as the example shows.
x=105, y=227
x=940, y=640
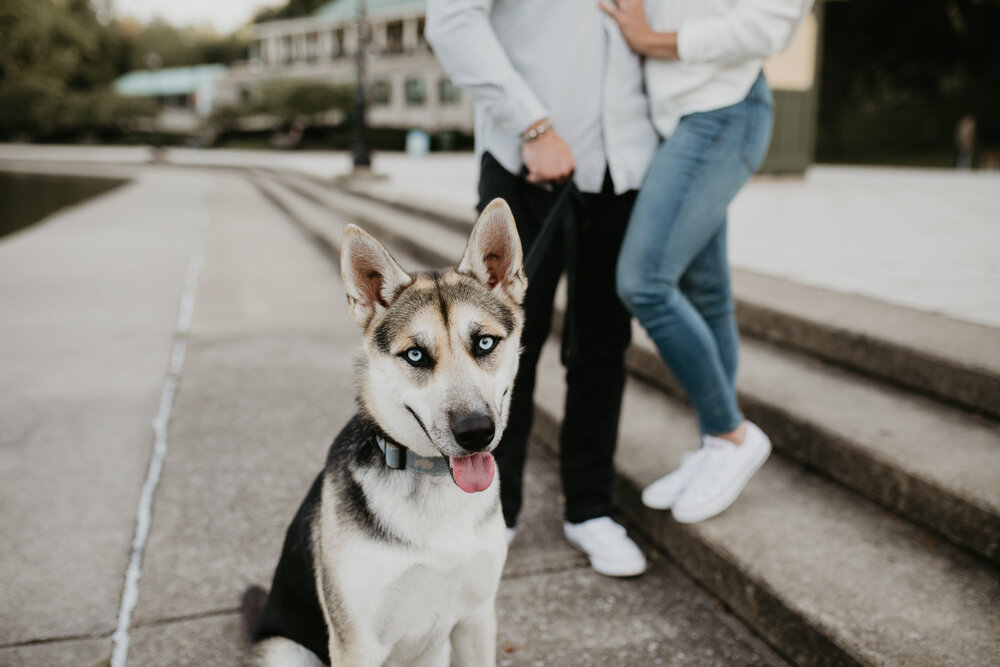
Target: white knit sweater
x=722, y=45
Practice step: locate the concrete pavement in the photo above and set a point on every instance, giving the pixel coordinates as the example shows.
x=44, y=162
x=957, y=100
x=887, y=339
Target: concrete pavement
x=919, y=238
x=90, y=300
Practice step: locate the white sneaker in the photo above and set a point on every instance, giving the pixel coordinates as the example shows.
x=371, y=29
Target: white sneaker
x=724, y=471
x=511, y=532
x=610, y=550
x=662, y=493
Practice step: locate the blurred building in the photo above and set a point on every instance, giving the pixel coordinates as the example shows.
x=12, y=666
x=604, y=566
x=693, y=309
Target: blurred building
x=793, y=77
x=185, y=95
x=407, y=87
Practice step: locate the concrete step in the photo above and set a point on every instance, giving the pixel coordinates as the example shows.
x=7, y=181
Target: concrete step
x=953, y=361
x=822, y=574
x=932, y=464
x=425, y=238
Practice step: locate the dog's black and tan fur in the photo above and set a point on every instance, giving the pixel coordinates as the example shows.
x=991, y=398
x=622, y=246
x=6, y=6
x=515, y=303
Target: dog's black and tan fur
x=396, y=567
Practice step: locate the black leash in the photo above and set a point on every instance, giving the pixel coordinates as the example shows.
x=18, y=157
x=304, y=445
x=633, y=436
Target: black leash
x=559, y=214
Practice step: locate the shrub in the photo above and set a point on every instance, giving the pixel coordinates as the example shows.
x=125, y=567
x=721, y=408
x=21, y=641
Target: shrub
x=38, y=108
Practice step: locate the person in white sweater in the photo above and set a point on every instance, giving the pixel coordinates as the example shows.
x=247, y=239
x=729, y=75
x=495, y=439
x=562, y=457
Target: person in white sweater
x=709, y=101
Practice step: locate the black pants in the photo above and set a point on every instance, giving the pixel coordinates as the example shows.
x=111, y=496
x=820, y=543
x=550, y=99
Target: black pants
x=595, y=368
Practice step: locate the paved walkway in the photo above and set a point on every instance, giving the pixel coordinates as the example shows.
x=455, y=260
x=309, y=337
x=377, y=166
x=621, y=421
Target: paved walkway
x=921, y=238
x=192, y=276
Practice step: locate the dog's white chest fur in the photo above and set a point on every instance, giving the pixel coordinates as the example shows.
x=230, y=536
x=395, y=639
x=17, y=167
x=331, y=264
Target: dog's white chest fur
x=401, y=599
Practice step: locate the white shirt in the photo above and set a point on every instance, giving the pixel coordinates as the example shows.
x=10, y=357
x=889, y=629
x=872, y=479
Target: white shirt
x=524, y=60
x=721, y=45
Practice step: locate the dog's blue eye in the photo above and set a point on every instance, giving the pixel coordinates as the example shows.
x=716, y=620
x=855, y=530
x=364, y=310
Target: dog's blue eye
x=417, y=357
x=486, y=343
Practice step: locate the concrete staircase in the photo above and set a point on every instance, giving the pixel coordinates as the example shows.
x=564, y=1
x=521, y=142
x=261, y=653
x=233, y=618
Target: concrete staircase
x=873, y=536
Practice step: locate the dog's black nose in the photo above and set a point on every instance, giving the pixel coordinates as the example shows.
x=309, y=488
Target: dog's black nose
x=473, y=432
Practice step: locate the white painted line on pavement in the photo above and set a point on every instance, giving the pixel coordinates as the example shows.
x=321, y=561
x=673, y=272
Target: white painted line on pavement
x=130, y=595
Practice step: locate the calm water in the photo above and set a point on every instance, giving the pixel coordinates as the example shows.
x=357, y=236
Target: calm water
x=27, y=198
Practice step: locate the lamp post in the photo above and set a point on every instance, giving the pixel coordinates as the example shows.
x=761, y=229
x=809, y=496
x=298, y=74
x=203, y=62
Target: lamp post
x=362, y=156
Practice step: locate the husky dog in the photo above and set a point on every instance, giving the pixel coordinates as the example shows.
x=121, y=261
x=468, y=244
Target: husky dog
x=395, y=556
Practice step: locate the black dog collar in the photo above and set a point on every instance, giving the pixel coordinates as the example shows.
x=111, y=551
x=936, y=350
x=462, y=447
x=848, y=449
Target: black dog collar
x=399, y=457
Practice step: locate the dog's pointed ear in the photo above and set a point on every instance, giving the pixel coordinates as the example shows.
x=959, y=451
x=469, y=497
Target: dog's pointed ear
x=493, y=255
x=371, y=276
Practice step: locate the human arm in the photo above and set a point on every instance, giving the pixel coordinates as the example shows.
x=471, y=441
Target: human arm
x=467, y=47
x=548, y=158
x=751, y=29
x=630, y=15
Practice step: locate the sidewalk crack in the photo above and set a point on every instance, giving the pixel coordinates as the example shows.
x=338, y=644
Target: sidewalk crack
x=180, y=618
x=58, y=639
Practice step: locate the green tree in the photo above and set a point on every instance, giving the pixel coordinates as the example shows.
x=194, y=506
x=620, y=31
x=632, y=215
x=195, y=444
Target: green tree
x=288, y=102
x=303, y=101
x=311, y=99
x=41, y=39
x=160, y=44
x=292, y=9
x=224, y=49
x=56, y=63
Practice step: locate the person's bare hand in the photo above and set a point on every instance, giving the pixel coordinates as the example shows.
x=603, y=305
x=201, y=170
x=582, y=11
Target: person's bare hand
x=548, y=159
x=630, y=15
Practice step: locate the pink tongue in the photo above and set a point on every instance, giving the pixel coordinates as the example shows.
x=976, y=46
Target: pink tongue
x=473, y=473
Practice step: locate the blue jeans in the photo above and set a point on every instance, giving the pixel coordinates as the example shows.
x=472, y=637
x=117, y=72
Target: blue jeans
x=672, y=273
